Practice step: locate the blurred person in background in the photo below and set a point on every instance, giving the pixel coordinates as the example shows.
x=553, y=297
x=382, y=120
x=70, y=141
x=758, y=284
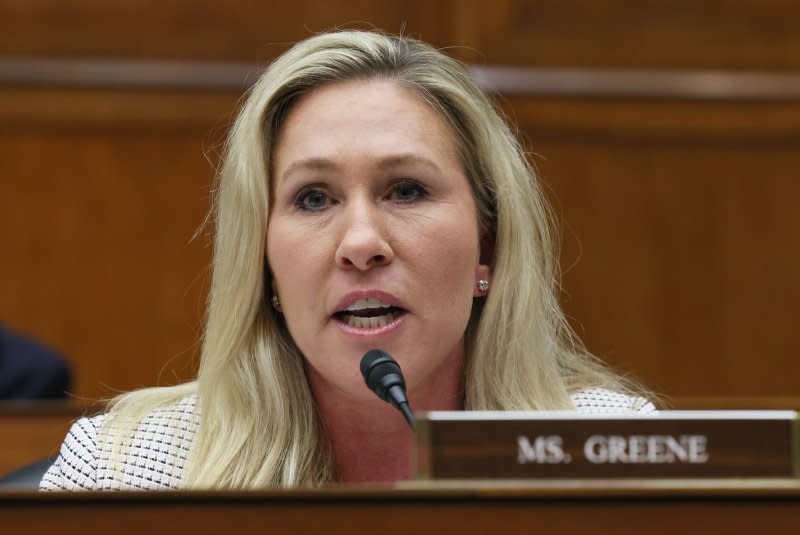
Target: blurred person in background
x=29, y=370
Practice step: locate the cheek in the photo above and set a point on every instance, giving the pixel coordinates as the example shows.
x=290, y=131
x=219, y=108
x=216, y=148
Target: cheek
x=447, y=256
x=291, y=255
x=291, y=264
x=279, y=252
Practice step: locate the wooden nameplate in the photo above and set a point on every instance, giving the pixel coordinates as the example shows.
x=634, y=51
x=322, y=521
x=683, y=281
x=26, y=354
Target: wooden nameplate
x=522, y=445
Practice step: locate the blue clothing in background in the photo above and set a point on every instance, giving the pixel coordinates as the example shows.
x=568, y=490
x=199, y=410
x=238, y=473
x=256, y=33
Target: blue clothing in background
x=29, y=370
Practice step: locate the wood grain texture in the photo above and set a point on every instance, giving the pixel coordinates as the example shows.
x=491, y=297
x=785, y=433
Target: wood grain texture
x=99, y=259
x=243, y=30
x=506, y=510
x=723, y=34
x=678, y=236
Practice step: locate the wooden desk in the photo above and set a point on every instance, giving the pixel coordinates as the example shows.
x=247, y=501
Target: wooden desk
x=34, y=430
x=619, y=507
x=30, y=431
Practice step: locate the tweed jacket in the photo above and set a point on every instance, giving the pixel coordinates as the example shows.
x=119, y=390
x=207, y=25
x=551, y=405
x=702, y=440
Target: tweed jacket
x=161, y=443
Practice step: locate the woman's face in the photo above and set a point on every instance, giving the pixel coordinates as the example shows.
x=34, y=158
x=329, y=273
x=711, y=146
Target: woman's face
x=373, y=235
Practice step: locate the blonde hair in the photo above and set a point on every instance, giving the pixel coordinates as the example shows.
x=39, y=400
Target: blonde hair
x=258, y=423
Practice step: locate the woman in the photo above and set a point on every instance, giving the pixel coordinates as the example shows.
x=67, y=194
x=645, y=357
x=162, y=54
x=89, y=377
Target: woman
x=370, y=196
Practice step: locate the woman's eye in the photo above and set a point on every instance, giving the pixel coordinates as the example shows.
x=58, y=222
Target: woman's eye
x=408, y=191
x=312, y=200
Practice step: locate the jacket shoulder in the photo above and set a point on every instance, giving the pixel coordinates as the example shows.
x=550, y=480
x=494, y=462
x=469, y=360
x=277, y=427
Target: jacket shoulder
x=75, y=468
x=105, y=453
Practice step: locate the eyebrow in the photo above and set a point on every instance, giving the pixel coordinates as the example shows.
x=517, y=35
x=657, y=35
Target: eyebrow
x=404, y=159
x=324, y=164
x=311, y=164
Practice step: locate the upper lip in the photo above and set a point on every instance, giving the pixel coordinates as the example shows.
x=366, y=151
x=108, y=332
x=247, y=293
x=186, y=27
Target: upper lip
x=351, y=297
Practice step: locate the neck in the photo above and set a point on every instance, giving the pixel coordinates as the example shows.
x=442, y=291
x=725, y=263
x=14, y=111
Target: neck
x=370, y=439
x=374, y=449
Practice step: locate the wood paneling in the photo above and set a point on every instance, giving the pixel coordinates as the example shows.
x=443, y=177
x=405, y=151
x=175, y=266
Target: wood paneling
x=712, y=34
x=96, y=229
x=723, y=34
x=680, y=234
x=570, y=507
x=201, y=114
x=243, y=30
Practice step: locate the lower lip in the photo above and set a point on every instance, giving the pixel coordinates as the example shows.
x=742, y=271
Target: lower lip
x=370, y=331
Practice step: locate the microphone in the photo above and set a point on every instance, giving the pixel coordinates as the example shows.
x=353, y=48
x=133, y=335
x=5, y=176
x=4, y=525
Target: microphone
x=384, y=377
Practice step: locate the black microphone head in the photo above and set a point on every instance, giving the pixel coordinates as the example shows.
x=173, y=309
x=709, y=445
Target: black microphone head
x=384, y=377
x=381, y=372
x=372, y=358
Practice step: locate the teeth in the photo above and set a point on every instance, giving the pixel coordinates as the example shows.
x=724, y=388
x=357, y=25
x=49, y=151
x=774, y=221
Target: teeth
x=370, y=323
x=370, y=302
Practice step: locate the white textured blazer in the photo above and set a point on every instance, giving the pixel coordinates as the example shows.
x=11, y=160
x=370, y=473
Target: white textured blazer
x=163, y=439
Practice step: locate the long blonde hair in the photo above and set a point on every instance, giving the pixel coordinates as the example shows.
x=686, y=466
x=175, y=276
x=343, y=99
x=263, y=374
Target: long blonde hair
x=258, y=424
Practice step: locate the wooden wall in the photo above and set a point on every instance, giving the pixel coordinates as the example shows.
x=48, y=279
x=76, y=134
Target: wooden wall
x=679, y=227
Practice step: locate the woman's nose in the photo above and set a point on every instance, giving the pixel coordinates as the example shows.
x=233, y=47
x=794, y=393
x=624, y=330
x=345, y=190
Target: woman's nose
x=363, y=244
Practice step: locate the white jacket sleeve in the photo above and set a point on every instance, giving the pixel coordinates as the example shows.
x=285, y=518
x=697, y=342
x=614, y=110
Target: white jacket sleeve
x=76, y=465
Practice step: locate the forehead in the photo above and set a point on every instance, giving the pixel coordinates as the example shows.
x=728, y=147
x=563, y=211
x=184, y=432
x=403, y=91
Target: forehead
x=374, y=116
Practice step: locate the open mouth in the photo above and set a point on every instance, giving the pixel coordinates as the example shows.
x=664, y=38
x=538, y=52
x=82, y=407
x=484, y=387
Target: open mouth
x=370, y=313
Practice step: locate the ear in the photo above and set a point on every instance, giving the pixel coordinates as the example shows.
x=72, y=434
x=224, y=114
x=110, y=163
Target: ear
x=482, y=272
